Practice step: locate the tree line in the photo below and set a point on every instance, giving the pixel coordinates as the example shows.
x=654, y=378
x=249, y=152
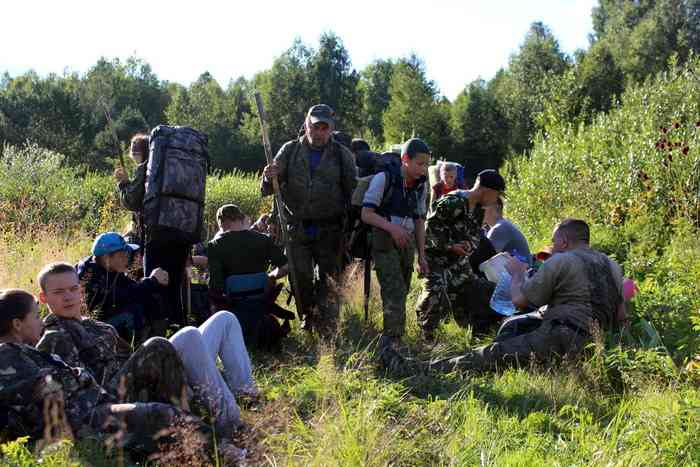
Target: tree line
x=386, y=102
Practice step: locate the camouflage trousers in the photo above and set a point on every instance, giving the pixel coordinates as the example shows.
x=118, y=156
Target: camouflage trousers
x=154, y=373
x=462, y=293
x=394, y=267
x=552, y=339
x=324, y=249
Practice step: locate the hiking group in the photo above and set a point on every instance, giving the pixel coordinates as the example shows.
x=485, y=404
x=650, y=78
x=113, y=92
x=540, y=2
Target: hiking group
x=100, y=363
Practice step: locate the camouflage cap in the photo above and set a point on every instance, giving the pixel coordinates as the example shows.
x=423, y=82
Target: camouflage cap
x=321, y=113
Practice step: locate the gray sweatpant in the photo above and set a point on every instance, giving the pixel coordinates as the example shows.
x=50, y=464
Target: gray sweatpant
x=219, y=336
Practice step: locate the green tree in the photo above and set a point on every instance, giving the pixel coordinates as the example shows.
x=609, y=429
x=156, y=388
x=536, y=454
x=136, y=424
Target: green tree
x=600, y=76
x=521, y=89
x=374, y=86
x=414, y=108
x=336, y=81
x=288, y=90
x=206, y=107
x=479, y=129
x=642, y=35
x=46, y=111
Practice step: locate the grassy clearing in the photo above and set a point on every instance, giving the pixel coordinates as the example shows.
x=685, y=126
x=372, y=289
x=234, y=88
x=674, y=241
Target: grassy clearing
x=329, y=403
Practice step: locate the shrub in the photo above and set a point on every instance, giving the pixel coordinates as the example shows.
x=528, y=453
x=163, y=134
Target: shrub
x=634, y=175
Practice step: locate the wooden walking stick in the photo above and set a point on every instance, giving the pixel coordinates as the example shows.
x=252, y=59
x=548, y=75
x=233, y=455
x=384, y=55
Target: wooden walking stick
x=280, y=207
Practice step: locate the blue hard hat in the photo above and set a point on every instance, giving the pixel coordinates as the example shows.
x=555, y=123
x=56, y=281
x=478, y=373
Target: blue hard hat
x=110, y=242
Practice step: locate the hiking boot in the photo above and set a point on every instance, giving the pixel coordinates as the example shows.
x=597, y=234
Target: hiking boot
x=230, y=454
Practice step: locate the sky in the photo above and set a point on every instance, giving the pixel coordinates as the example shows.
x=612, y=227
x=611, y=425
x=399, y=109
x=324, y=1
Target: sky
x=459, y=41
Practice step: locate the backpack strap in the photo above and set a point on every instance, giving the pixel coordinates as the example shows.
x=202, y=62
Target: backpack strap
x=389, y=182
x=392, y=179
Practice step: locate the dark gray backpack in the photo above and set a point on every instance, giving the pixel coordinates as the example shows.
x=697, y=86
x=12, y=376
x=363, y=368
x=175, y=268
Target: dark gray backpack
x=176, y=180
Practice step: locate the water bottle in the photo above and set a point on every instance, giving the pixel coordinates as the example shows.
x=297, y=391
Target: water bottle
x=501, y=301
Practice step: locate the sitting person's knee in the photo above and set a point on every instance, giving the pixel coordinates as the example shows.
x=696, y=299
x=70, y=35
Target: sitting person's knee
x=226, y=317
x=186, y=335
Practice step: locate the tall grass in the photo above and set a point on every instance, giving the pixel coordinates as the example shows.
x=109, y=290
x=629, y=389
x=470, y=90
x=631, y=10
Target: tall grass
x=38, y=191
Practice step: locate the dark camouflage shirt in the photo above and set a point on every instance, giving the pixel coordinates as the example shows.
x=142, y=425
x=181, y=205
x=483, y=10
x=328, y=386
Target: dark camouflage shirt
x=86, y=343
x=131, y=195
x=450, y=223
x=326, y=194
x=28, y=377
x=109, y=293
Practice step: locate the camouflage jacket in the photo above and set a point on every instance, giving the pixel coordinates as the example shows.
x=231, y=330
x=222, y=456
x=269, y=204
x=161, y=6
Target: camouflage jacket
x=86, y=343
x=131, y=195
x=326, y=195
x=110, y=293
x=451, y=222
x=28, y=377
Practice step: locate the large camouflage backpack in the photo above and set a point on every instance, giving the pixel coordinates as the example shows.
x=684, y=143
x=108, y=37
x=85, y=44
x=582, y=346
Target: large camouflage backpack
x=175, y=181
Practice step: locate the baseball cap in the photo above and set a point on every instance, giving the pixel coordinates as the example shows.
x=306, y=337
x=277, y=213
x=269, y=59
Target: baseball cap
x=414, y=146
x=321, y=113
x=489, y=178
x=110, y=242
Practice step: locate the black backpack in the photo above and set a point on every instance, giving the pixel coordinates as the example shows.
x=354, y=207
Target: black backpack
x=176, y=181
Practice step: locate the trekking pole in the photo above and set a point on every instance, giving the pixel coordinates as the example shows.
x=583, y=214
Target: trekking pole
x=280, y=208
x=110, y=124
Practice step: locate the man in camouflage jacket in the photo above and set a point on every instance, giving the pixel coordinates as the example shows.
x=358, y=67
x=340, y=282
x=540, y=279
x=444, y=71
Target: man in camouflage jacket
x=579, y=293
x=453, y=232
x=317, y=176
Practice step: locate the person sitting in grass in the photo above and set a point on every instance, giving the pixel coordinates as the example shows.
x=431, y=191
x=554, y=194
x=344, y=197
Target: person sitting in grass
x=239, y=261
x=583, y=291
x=116, y=298
x=188, y=356
x=453, y=235
x=34, y=383
x=503, y=234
